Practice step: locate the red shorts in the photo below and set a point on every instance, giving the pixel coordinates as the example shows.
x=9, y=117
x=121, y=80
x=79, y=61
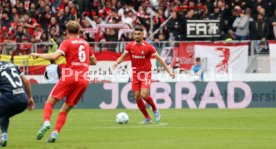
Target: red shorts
x=71, y=89
x=140, y=81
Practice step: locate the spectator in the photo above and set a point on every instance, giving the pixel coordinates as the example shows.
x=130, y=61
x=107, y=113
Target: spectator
x=88, y=35
x=45, y=43
x=72, y=9
x=127, y=37
x=13, y=12
x=54, y=25
x=21, y=32
x=259, y=29
x=224, y=16
x=10, y=43
x=112, y=15
x=128, y=18
x=197, y=70
x=25, y=47
x=107, y=8
x=14, y=24
x=61, y=20
x=30, y=24
x=68, y=14
x=55, y=4
x=32, y=10
x=53, y=41
x=38, y=32
x=83, y=5
x=175, y=26
x=273, y=23
x=111, y=35
x=20, y=8
x=5, y=20
x=43, y=16
x=160, y=42
x=241, y=24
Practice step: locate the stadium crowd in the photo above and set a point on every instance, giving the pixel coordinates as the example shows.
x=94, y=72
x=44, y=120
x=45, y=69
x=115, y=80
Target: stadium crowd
x=43, y=21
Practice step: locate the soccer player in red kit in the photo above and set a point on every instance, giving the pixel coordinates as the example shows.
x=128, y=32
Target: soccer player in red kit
x=140, y=53
x=74, y=77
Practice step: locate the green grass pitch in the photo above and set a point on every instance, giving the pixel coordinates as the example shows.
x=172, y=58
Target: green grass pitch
x=178, y=129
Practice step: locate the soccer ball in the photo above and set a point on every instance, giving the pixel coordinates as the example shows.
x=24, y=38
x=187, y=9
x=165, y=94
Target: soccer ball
x=122, y=118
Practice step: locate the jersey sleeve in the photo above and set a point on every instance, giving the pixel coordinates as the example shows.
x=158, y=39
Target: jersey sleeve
x=152, y=49
x=63, y=48
x=127, y=50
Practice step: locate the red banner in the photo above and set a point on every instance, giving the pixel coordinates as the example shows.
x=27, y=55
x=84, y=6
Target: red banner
x=186, y=55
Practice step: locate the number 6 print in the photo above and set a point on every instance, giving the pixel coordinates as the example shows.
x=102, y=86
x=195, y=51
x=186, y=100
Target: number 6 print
x=82, y=55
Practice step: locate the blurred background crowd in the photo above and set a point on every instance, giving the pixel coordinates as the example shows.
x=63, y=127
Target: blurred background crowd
x=43, y=21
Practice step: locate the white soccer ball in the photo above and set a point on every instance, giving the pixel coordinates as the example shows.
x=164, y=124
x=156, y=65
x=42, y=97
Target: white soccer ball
x=122, y=118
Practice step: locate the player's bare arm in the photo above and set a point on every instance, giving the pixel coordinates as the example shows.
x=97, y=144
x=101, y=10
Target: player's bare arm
x=93, y=60
x=162, y=62
x=119, y=60
x=27, y=86
x=47, y=56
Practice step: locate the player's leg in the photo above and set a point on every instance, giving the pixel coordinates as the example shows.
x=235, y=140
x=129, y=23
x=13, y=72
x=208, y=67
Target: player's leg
x=47, y=112
x=60, y=122
x=15, y=105
x=60, y=90
x=72, y=99
x=136, y=88
x=145, y=91
x=141, y=105
x=48, y=108
x=4, y=122
x=145, y=95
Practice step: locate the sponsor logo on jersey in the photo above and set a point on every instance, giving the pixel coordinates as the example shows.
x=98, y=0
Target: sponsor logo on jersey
x=138, y=56
x=18, y=91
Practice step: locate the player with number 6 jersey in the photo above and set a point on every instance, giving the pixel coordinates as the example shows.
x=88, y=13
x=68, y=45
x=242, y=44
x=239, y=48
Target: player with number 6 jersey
x=74, y=78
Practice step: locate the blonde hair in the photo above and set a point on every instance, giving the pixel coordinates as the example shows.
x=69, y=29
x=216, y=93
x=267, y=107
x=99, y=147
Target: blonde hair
x=73, y=27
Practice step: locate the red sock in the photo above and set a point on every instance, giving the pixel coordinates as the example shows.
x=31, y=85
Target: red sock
x=151, y=103
x=60, y=121
x=141, y=105
x=48, y=108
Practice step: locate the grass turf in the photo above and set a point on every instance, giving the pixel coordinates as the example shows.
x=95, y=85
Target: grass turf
x=183, y=128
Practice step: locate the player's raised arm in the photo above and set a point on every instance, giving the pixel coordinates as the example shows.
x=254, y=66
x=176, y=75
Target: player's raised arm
x=119, y=60
x=158, y=57
x=47, y=56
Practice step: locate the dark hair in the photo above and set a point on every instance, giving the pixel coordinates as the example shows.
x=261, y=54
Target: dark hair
x=139, y=28
x=197, y=59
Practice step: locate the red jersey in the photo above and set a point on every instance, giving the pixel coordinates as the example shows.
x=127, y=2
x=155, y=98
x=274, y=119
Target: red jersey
x=31, y=21
x=77, y=53
x=140, y=55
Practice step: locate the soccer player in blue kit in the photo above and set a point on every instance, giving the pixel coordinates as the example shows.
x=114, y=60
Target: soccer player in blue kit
x=15, y=96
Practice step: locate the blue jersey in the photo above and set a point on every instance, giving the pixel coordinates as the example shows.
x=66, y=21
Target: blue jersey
x=196, y=68
x=10, y=79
